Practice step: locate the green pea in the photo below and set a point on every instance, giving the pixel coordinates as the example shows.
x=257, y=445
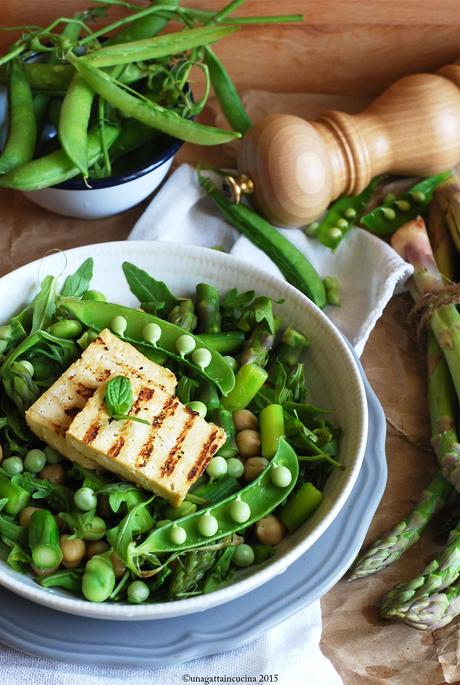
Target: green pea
x=198, y=407
x=239, y=511
x=207, y=525
x=350, y=213
x=333, y=297
x=231, y=361
x=202, y=357
x=68, y=329
x=52, y=457
x=178, y=535
x=94, y=296
x=243, y=555
x=98, y=579
x=34, y=461
x=403, y=205
x=86, y=339
x=151, y=333
x=13, y=465
x=185, y=344
x=331, y=282
x=334, y=233
x=217, y=467
x=138, y=592
x=235, y=467
x=281, y=476
x=342, y=223
x=118, y=325
x=162, y=522
x=312, y=229
x=27, y=366
x=85, y=499
x=389, y=213
x=389, y=197
x=418, y=196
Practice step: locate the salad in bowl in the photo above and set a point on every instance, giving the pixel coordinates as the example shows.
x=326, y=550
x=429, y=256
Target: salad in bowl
x=166, y=450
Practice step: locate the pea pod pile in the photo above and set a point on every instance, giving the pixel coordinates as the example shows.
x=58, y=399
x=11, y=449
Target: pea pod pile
x=107, y=539
x=93, y=87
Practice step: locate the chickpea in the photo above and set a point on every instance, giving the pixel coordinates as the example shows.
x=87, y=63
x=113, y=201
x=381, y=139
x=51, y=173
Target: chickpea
x=243, y=418
x=73, y=551
x=55, y=473
x=96, y=547
x=118, y=566
x=248, y=442
x=60, y=524
x=269, y=530
x=1, y=454
x=253, y=467
x=26, y=515
x=103, y=507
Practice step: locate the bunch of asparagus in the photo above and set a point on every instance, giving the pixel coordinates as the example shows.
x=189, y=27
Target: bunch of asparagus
x=432, y=599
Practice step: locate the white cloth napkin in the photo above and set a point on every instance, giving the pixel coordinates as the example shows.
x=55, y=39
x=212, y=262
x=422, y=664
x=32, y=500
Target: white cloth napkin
x=368, y=269
x=369, y=272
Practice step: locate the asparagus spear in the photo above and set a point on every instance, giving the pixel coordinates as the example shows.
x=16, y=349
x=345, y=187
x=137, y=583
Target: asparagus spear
x=208, y=308
x=292, y=345
x=448, y=196
x=259, y=344
x=438, y=575
x=412, y=243
x=183, y=315
x=431, y=611
x=441, y=242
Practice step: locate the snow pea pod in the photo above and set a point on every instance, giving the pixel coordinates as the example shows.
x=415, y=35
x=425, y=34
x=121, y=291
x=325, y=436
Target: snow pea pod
x=225, y=342
x=341, y=216
x=261, y=496
x=41, y=76
x=144, y=27
x=73, y=122
x=56, y=167
x=391, y=215
x=157, y=46
x=100, y=315
x=148, y=112
x=20, y=144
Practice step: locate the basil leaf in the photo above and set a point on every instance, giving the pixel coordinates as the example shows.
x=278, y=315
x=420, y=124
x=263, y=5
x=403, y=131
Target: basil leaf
x=77, y=284
x=153, y=295
x=119, y=396
x=44, y=304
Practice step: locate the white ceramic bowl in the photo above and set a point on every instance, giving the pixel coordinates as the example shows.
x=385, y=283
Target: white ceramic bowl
x=331, y=372
x=106, y=196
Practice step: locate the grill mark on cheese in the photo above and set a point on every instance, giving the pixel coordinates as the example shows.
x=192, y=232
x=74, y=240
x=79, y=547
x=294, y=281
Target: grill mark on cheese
x=145, y=395
x=84, y=391
x=116, y=448
x=92, y=432
x=204, y=457
x=103, y=375
x=169, y=409
x=72, y=411
x=175, y=454
x=60, y=430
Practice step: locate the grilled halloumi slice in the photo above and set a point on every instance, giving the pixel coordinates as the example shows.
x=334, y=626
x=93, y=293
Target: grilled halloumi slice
x=167, y=456
x=51, y=415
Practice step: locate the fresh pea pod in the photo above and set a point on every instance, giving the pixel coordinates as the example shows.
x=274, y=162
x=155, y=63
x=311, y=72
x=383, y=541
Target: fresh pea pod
x=144, y=27
x=73, y=122
x=226, y=342
x=342, y=215
x=261, y=496
x=20, y=145
x=56, y=167
x=148, y=112
x=226, y=93
x=100, y=315
x=157, y=46
x=44, y=77
x=17, y=497
x=391, y=215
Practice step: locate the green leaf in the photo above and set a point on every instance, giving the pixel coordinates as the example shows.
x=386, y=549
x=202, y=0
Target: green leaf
x=44, y=304
x=90, y=479
x=221, y=572
x=58, y=496
x=122, y=493
x=185, y=388
x=136, y=521
x=119, y=396
x=235, y=300
x=78, y=283
x=154, y=295
x=18, y=558
x=263, y=311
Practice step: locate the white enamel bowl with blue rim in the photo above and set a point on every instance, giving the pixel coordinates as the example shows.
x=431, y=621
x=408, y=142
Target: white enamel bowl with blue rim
x=106, y=196
x=332, y=374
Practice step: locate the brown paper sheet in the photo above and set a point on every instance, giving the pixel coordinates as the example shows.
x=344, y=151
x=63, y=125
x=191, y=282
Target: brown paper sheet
x=365, y=649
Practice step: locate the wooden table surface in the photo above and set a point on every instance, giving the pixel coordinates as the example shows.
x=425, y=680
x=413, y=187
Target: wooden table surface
x=346, y=46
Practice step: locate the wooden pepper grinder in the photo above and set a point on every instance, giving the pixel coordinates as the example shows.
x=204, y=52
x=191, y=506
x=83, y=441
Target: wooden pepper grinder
x=296, y=168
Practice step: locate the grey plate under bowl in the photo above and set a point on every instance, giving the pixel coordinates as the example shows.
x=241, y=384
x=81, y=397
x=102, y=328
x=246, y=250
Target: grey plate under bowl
x=39, y=631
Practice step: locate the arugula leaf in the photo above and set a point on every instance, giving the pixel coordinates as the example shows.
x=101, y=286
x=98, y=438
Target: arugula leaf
x=119, y=399
x=68, y=579
x=44, y=304
x=18, y=558
x=90, y=479
x=235, y=300
x=221, y=572
x=58, y=496
x=295, y=383
x=83, y=525
x=11, y=531
x=122, y=493
x=78, y=283
x=136, y=521
x=153, y=295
